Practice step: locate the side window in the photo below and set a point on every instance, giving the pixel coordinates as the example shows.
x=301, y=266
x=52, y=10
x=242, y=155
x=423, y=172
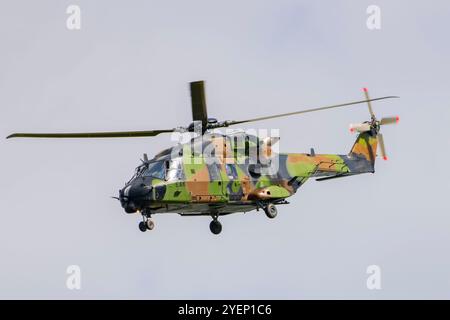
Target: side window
x=175, y=171
x=214, y=171
x=231, y=171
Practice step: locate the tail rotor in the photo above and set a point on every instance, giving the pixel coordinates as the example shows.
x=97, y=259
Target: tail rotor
x=373, y=126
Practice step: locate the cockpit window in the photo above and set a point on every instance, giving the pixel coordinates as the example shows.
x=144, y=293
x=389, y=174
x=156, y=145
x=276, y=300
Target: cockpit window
x=155, y=170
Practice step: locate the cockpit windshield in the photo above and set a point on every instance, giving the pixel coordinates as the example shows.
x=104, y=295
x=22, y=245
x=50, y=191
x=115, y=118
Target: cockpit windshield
x=170, y=170
x=137, y=172
x=155, y=170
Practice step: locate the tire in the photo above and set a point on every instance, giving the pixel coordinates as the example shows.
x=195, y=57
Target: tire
x=271, y=211
x=142, y=226
x=150, y=224
x=215, y=226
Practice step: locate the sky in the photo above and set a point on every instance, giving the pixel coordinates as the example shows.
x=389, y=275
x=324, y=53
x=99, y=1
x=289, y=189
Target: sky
x=128, y=68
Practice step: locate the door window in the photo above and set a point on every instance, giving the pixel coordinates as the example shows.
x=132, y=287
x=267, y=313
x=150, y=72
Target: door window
x=175, y=171
x=231, y=171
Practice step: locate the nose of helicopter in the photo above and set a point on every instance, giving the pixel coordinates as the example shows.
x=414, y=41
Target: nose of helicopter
x=134, y=196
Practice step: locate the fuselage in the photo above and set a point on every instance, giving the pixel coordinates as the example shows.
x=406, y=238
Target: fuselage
x=227, y=178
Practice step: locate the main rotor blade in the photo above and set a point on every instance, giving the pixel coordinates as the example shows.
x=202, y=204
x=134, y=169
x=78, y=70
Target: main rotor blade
x=198, y=100
x=308, y=110
x=118, y=134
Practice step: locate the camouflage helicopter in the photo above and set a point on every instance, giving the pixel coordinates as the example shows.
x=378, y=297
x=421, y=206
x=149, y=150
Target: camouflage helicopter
x=215, y=174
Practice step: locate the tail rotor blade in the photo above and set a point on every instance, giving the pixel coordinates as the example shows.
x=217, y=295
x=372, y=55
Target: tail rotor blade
x=382, y=147
x=389, y=120
x=359, y=127
x=366, y=93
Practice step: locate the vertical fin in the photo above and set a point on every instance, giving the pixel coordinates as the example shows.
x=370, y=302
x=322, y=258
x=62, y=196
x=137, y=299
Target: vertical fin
x=365, y=146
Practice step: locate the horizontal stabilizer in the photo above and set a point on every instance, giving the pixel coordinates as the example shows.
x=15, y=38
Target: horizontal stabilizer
x=333, y=177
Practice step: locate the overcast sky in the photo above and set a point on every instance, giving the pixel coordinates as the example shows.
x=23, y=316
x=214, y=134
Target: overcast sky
x=128, y=68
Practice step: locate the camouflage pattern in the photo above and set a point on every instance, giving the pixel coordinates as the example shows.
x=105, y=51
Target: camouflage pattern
x=216, y=174
x=185, y=181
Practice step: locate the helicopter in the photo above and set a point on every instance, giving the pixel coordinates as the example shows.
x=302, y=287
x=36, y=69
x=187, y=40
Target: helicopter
x=216, y=174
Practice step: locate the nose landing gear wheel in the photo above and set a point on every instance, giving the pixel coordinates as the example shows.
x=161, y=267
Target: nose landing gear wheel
x=142, y=226
x=271, y=211
x=215, y=226
x=146, y=224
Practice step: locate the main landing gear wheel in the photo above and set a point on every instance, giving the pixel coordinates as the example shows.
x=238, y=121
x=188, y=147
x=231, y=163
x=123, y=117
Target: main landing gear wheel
x=215, y=226
x=271, y=210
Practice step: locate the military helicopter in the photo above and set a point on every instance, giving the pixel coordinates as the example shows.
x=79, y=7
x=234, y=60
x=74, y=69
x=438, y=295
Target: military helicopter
x=215, y=174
